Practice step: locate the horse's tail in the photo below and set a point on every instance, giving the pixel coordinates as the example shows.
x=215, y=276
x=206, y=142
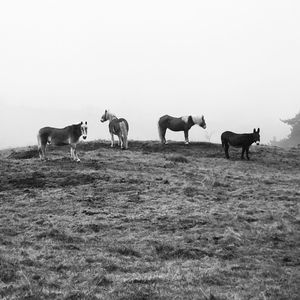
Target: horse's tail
x=160, y=131
x=124, y=132
x=223, y=139
x=223, y=142
x=39, y=144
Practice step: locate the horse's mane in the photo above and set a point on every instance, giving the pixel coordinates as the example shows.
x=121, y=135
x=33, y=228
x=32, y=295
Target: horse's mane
x=196, y=119
x=111, y=114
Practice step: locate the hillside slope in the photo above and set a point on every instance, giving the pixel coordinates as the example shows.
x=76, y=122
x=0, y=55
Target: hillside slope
x=152, y=222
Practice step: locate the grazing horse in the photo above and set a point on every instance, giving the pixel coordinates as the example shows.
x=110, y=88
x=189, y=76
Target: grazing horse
x=117, y=126
x=61, y=136
x=244, y=141
x=178, y=124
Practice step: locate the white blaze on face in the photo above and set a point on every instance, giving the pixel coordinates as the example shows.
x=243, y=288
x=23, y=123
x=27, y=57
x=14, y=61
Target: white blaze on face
x=84, y=130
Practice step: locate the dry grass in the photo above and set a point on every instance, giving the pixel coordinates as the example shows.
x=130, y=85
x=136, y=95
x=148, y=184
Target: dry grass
x=153, y=222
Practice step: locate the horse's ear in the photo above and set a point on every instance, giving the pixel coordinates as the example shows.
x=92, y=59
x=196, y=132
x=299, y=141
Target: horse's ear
x=254, y=130
x=85, y=122
x=105, y=111
x=258, y=130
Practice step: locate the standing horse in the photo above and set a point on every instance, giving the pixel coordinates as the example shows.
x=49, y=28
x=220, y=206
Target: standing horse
x=61, y=136
x=178, y=124
x=117, y=126
x=244, y=141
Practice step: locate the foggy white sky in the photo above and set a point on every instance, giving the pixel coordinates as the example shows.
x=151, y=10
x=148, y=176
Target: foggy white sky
x=236, y=62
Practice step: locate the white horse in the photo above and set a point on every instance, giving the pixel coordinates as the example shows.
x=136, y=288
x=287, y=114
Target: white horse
x=61, y=136
x=117, y=126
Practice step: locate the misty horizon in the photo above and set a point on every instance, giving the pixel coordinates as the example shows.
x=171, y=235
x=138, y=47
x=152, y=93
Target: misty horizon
x=235, y=63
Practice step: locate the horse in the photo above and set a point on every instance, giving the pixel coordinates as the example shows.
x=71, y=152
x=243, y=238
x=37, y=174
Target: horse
x=68, y=135
x=178, y=124
x=244, y=141
x=117, y=126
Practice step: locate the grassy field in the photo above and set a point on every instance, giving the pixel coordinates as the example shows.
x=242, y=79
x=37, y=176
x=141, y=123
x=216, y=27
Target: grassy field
x=152, y=222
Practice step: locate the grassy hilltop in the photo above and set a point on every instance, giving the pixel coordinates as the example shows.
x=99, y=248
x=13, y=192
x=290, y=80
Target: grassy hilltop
x=152, y=222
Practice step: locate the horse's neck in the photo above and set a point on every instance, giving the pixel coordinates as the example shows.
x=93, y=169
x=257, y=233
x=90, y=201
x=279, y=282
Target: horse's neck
x=111, y=117
x=252, y=137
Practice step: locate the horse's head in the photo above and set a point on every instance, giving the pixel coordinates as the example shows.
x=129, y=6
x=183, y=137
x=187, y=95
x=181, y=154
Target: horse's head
x=200, y=121
x=256, y=136
x=108, y=116
x=84, y=129
x=104, y=116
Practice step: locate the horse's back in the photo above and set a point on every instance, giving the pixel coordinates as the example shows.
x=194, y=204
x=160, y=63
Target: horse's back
x=56, y=136
x=114, y=125
x=44, y=133
x=236, y=139
x=45, y=130
x=227, y=134
x=54, y=131
x=173, y=123
x=163, y=119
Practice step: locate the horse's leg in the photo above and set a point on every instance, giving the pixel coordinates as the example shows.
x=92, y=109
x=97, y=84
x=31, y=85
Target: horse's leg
x=125, y=141
x=226, y=147
x=72, y=152
x=163, y=135
x=43, y=151
x=243, y=152
x=39, y=146
x=112, y=140
x=186, y=137
x=42, y=143
x=120, y=142
x=40, y=150
x=75, y=154
x=247, y=153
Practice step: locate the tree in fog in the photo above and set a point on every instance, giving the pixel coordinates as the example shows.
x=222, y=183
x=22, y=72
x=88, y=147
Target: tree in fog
x=294, y=137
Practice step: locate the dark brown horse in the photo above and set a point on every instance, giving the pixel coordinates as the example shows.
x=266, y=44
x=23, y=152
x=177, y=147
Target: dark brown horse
x=117, y=126
x=244, y=141
x=178, y=124
x=68, y=135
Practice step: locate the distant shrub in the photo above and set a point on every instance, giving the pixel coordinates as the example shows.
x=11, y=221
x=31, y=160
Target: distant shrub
x=294, y=137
